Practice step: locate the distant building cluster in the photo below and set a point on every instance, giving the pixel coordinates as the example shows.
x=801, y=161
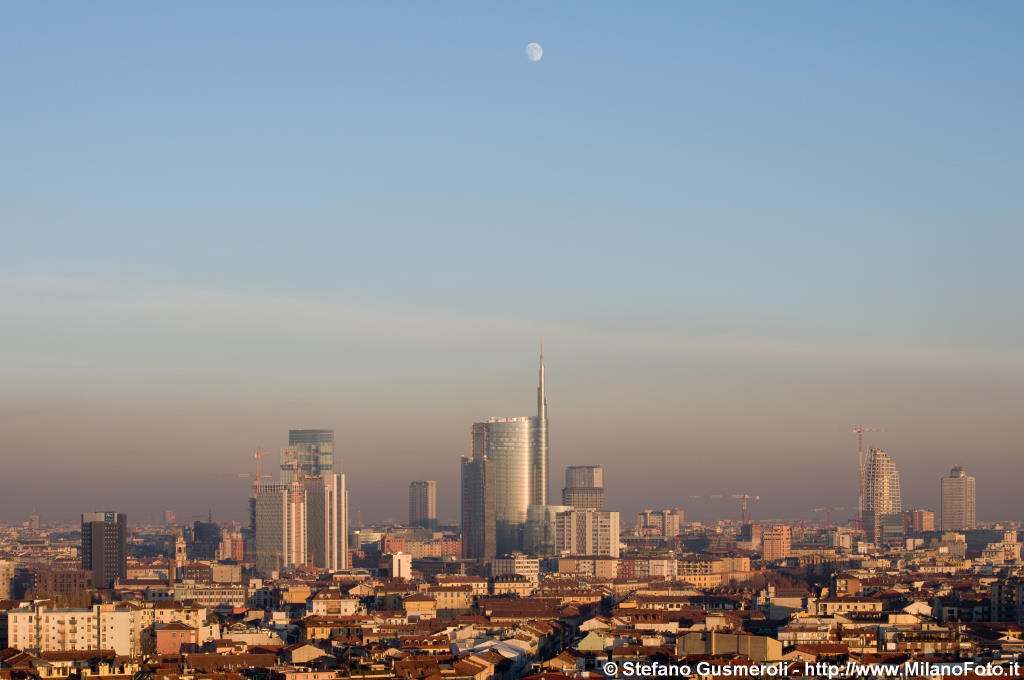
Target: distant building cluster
x=515, y=587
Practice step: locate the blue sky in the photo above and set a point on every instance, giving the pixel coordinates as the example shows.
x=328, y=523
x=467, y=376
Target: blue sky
x=256, y=198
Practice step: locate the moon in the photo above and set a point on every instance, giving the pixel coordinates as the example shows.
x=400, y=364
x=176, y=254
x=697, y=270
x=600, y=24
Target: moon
x=534, y=51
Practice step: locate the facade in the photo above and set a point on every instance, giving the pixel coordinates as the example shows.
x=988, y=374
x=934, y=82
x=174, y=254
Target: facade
x=401, y=565
x=587, y=532
x=279, y=526
x=540, y=529
x=203, y=540
x=777, y=543
x=660, y=522
x=327, y=521
x=478, y=527
x=104, y=537
x=516, y=451
x=957, y=502
x=584, y=487
x=6, y=576
x=1007, y=600
x=59, y=582
x=423, y=504
x=881, y=492
x=510, y=449
x=310, y=452
x=891, y=529
x=917, y=520
x=517, y=564
x=301, y=523
x=62, y=630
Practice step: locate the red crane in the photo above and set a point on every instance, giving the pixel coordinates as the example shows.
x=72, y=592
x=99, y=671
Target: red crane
x=256, y=478
x=828, y=514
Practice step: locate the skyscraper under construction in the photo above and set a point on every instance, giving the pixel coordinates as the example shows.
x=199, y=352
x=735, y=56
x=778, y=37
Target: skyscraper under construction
x=881, y=492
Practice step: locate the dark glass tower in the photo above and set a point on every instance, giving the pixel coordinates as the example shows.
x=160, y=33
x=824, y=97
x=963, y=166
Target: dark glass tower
x=104, y=537
x=310, y=451
x=478, y=527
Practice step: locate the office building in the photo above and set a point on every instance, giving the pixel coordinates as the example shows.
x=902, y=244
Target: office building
x=517, y=564
x=104, y=540
x=957, y=502
x=203, y=540
x=478, y=527
x=777, y=543
x=917, y=521
x=881, y=493
x=278, y=518
x=302, y=523
x=310, y=453
x=327, y=521
x=593, y=533
x=540, y=529
x=660, y=522
x=891, y=529
x=423, y=504
x=517, y=449
x=584, y=487
x=400, y=565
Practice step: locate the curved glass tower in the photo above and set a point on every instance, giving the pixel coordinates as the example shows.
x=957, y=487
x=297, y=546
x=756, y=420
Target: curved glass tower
x=517, y=452
x=510, y=448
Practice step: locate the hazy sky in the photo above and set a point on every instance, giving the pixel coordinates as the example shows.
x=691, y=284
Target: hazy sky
x=739, y=229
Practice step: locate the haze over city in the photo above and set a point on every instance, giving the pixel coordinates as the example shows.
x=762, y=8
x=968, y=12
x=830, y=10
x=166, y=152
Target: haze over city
x=737, y=234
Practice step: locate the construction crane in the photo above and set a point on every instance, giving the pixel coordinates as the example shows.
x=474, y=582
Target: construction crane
x=254, y=478
x=828, y=514
x=741, y=497
x=258, y=455
x=859, y=431
x=259, y=476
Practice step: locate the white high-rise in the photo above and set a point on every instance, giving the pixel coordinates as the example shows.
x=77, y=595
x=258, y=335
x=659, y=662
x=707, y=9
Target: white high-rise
x=593, y=533
x=881, y=492
x=301, y=523
x=957, y=491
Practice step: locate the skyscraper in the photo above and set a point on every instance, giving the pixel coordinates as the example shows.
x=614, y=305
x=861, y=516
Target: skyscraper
x=517, y=451
x=478, y=529
x=584, y=487
x=104, y=538
x=311, y=452
x=327, y=521
x=301, y=523
x=423, y=504
x=279, y=526
x=881, y=492
x=587, y=532
x=957, y=492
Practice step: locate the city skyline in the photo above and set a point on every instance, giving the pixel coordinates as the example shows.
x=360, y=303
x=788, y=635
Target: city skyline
x=289, y=294
x=745, y=232
x=699, y=510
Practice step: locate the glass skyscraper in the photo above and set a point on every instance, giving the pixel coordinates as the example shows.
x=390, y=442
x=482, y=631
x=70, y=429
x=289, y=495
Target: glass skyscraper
x=517, y=453
x=104, y=547
x=311, y=451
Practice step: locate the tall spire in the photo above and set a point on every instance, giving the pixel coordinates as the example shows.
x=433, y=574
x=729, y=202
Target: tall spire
x=542, y=399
